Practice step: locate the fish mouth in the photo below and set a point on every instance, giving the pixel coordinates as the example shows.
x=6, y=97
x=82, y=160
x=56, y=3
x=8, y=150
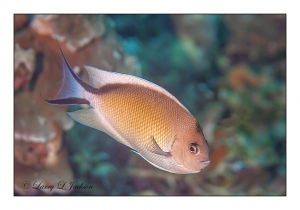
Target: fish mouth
x=205, y=162
x=199, y=166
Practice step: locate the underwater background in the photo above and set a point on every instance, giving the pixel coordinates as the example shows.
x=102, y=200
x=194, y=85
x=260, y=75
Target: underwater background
x=228, y=70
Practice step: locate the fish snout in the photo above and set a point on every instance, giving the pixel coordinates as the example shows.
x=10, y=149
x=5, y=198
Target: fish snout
x=203, y=164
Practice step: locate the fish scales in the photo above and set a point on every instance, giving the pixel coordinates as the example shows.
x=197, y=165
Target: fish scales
x=138, y=114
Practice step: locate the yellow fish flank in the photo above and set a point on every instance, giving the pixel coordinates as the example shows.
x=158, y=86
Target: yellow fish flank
x=138, y=114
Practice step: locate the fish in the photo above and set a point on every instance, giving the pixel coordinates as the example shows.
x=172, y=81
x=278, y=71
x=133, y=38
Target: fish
x=137, y=113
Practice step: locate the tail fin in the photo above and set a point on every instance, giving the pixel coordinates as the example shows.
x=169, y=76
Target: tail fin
x=71, y=89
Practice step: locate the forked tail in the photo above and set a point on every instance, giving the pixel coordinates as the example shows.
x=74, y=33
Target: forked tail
x=71, y=89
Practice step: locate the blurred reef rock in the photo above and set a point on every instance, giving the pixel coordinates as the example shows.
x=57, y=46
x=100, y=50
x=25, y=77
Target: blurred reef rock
x=40, y=150
x=24, y=67
x=255, y=37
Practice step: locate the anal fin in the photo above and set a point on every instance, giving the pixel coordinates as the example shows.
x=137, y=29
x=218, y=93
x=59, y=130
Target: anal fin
x=91, y=118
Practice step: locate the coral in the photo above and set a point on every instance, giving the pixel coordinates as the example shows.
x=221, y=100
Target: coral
x=20, y=21
x=208, y=120
x=87, y=27
x=85, y=40
x=39, y=127
x=241, y=75
x=198, y=37
x=29, y=180
x=217, y=155
x=216, y=65
x=200, y=29
x=38, y=141
x=36, y=123
x=255, y=37
x=24, y=66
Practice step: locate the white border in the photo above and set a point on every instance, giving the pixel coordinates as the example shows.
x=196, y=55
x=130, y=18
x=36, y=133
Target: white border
x=153, y=6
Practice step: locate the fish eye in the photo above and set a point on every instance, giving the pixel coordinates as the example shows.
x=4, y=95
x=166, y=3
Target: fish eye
x=194, y=148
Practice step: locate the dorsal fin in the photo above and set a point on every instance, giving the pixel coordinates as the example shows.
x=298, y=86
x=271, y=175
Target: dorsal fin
x=99, y=78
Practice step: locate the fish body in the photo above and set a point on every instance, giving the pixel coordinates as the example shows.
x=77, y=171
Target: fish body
x=138, y=114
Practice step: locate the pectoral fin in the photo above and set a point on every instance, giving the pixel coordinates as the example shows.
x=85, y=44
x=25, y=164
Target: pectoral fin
x=169, y=146
x=153, y=147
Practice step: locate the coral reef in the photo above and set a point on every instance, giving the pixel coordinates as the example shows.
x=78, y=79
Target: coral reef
x=223, y=68
x=38, y=144
x=241, y=76
x=198, y=37
x=32, y=180
x=254, y=37
x=36, y=123
x=87, y=28
x=24, y=67
x=20, y=20
x=93, y=41
x=228, y=65
x=38, y=127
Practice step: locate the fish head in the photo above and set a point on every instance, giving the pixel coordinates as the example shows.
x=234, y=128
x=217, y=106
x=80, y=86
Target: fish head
x=191, y=150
